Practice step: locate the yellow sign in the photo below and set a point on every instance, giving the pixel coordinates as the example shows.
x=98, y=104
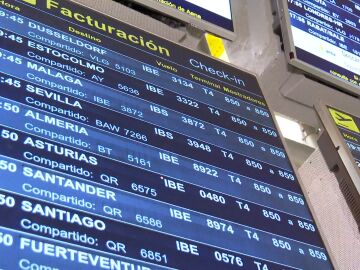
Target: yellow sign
x=344, y=120
x=31, y=2
x=216, y=45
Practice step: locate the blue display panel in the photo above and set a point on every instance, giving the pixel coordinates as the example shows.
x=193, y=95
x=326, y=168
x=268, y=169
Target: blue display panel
x=121, y=150
x=326, y=36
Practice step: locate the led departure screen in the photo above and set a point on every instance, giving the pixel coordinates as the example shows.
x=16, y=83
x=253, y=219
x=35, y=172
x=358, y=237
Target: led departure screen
x=326, y=35
x=348, y=126
x=121, y=150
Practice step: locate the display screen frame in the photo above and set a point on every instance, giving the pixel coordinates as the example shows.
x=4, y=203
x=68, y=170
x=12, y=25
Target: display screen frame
x=110, y=14
x=198, y=23
x=307, y=68
x=338, y=141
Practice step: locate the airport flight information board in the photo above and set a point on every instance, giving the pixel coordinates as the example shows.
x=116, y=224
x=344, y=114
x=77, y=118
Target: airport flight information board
x=326, y=38
x=348, y=126
x=121, y=150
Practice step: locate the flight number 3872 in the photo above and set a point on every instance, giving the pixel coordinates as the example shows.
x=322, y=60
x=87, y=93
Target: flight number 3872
x=192, y=122
x=132, y=111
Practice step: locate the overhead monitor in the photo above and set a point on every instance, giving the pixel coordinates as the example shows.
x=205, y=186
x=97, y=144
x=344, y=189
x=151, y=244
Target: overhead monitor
x=121, y=150
x=342, y=133
x=322, y=38
x=213, y=16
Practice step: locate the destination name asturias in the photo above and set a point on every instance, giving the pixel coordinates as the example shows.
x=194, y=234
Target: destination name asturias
x=61, y=151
